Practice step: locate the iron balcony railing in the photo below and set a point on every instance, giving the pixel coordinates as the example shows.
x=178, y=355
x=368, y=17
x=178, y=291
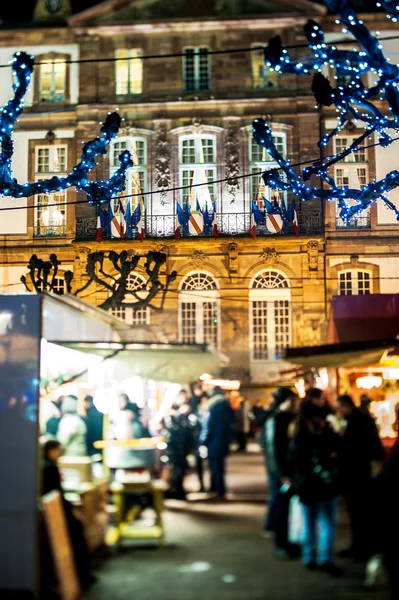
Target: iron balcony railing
x=52, y=229
x=163, y=226
x=360, y=222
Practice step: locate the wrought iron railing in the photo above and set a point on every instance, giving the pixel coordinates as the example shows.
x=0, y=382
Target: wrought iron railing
x=360, y=222
x=52, y=229
x=163, y=226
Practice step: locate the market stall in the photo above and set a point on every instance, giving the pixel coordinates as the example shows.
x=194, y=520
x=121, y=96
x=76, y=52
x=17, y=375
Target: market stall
x=50, y=346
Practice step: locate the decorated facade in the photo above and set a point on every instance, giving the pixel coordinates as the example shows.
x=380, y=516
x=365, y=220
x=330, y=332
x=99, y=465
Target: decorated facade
x=187, y=87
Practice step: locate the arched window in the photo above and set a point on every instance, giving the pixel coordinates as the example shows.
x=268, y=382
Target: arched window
x=199, y=309
x=260, y=160
x=270, y=315
x=133, y=316
x=197, y=164
x=354, y=282
x=136, y=176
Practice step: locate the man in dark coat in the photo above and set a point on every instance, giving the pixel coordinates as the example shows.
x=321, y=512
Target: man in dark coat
x=94, y=423
x=360, y=447
x=216, y=435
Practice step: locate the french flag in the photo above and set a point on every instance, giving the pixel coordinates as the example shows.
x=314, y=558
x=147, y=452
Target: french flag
x=215, y=222
x=101, y=223
x=256, y=218
x=179, y=220
x=138, y=221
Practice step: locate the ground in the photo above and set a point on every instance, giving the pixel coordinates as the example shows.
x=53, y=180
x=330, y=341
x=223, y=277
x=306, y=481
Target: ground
x=215, y=552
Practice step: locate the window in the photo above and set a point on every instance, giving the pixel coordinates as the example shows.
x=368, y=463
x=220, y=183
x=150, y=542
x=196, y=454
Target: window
x=199, y=310
x=197, y=158
x=352, y=173
x=58, y=286
x=133, y=316
x=50, y=211
x=52, y=81
x=263, y=78
x=344, y=77
x=270, y=315
x=196, y=69
x=136, y=176
x=260, y=160
x=129, y=72
x=352, y=283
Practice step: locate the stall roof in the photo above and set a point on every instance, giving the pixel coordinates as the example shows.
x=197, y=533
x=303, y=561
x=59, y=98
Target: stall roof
x=347, y=354
x=177, y=363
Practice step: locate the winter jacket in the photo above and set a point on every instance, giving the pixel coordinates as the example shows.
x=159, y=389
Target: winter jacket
x=217, y=426
x=277, y=443
x=71, y=434
x=315, y=456
x=94, y=424
x=179, y=433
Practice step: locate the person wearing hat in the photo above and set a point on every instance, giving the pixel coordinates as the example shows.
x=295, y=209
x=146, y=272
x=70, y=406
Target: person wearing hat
x=275, y=445
x=72, y=430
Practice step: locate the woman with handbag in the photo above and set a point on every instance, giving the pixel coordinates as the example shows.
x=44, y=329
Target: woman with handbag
x=315, y=451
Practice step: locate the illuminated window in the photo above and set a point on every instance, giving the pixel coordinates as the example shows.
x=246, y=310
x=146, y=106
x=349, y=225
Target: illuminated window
x=199, y=310
x=196, y=69
x=263, y=78
x=197, y=159
x=52, y=81
x=352, y=173
x=353, y=283
x=270, y=315
x=129, y=72
x=260, y=160
x=136, y=176
x=50, y=208
x=133, y=316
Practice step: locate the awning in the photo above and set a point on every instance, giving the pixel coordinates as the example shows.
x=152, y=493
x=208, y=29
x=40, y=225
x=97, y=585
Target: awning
x=177, y=363
x=350, y=354
x=364, y=317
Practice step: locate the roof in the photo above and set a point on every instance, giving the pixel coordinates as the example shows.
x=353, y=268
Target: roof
x=118, y=12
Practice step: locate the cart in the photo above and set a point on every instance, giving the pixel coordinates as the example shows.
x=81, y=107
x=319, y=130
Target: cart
x=135, y=488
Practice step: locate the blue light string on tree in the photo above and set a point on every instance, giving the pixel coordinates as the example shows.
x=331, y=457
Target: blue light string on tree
x=98, y=192
x=352, y=101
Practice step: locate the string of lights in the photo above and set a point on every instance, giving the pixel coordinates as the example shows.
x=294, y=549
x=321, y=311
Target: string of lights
x=352, y=101
x=254, y=48
x=182, y=187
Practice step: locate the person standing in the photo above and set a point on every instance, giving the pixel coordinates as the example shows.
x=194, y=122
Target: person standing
x=315, y=452
x=387, y=511
x=242, y=424
x=360, y=448
x=94, y=424
x=72, y=430
x=215, y=436
x=196, y=397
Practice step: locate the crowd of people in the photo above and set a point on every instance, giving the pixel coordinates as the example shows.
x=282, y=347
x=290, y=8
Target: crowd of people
x=316, y=453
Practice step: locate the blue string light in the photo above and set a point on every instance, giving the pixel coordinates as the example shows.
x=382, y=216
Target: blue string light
x=98, y=192
x=352, y=101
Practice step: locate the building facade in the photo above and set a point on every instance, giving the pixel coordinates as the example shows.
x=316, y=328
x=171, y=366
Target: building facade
x=187, y=120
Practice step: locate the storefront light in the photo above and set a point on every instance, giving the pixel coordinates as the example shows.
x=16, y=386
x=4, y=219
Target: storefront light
x=300, y=388
x=224, y=384
x=369, y=382
x=391, y=373
x=205, y=376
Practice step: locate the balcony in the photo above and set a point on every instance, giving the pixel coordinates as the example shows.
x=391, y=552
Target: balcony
x=51, y=229
x=310, y=222
x=359, y=222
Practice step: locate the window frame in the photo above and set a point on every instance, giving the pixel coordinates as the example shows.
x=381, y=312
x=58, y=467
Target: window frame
x=196, y=68
x=48, y=57
x=197, y=167
x=129, y=60
x=200, y=298
x=51, y=230
x=140, y=168
x=266, y=72
x=269, y=296
x=255, y=166
x=355, y=281
x=129, y=311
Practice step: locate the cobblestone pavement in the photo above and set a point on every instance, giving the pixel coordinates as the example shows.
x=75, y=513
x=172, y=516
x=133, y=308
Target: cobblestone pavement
x=215, y=552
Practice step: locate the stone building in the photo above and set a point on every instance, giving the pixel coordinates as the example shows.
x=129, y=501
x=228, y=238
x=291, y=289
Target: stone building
x=187, y=120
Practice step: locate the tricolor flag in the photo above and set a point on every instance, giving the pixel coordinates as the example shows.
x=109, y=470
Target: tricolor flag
x=256, y=218
x=179, y=220
x=114, y=226
x=101, y=223
x=128, y=220
x=122, y=219
x=215, y=223
x=138, y=222
x=274, y=219
x=293, y=217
